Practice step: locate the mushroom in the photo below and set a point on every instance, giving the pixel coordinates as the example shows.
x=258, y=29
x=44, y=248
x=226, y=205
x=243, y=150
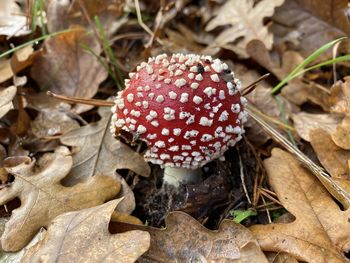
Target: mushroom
x=187, y=108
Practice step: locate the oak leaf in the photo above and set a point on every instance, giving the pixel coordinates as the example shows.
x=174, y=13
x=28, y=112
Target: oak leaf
x=43, y=197
x=97, y=152
x=186, y=240
x=307, y=24
x=333, y=158
x=246, y=21
x=320, y=231
x=65, y=67
x=62, y=14
x=305, y=122
x=83, y=236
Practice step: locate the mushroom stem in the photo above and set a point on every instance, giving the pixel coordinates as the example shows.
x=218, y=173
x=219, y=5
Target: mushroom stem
x=177, y=176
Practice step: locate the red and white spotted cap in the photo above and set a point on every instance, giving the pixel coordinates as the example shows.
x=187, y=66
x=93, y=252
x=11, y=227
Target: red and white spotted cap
x=187, y=108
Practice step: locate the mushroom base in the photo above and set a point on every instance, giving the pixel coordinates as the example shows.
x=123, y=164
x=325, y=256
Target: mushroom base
x=177, y=176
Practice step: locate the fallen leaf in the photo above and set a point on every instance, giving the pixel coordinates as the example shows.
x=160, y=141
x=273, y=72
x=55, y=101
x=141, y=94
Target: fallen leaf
x=15, y=257
x=309, y=24
x=245, y=21
x=83, y=236
x=6, y=97
x=339, y=98
x=12, y=142
x=13, y=20
x=320, y=231
x=62, y=14
x=186, y=240
x=64, y=67
x=341, y=135
x=333, y=158
x=51, y=122
x=305, y=122
x=296, y=91
x=43, y=197
x=99, y=152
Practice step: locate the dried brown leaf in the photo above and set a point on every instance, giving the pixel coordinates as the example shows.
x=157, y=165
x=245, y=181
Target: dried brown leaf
x=83, y=236
x=341, y=135
x=51, y=122
x=13, y=21
x=13, y=143
x=6, y=97
x=309, y=24
x=246, y=21
x=43, y=197
x=297, y=91
x=99, y=153
x=305, y=122
x=320, y=232
x=64, y=67
x=186, y=240
x=62, y=14
x=339, y=98
x=21, y=59
x=332, y=157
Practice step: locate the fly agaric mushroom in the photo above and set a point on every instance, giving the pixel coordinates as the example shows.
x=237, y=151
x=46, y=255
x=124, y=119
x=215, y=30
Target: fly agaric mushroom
x=187, y=108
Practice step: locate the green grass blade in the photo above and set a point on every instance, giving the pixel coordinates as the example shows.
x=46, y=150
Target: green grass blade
x=109, y=51
x=31, y=42
x=103, y=63
x=307, y=61
x=325, y=63
x=41, y=8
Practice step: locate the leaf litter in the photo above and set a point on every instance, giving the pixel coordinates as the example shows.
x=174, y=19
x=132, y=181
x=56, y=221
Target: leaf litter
x=60, y=165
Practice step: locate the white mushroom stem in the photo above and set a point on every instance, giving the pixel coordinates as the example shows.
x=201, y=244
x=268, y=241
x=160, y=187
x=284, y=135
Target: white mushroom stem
x=177, y=176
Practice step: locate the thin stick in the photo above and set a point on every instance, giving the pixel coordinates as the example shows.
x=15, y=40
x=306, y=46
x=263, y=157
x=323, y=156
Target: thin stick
x=252, y=86
x=241, y=173
x=99, y=103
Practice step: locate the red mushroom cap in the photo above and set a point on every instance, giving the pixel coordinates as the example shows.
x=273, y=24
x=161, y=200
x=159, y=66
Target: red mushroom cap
x=187, y=108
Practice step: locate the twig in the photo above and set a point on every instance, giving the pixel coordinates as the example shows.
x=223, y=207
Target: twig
x=252, y=86
x=267, y=210
x=241, y=173
x=100, y=103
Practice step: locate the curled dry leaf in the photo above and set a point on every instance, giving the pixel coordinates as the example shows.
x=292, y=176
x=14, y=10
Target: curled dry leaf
x=320, y=232
x=12, y=142
x=246, y=21
x=339, y=98
x=83, y=236
x=341, y=135
x=43, y=197
x=305, y=122
x=332, y=157
x=309, y=24
x=99, y=153
x=65, y=67
x=186, y=240
x=6, y=97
